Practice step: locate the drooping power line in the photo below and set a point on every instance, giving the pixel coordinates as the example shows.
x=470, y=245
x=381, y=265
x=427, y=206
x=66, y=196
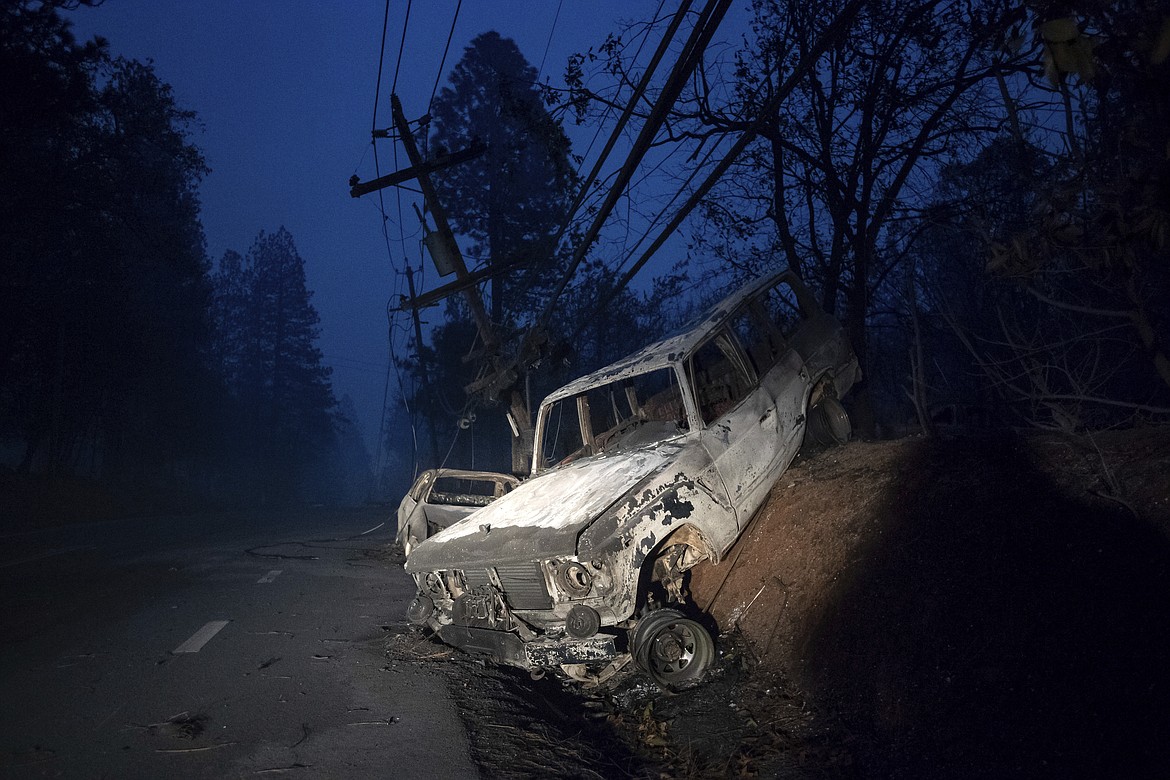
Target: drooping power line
x=443, y=63
x=548, y=43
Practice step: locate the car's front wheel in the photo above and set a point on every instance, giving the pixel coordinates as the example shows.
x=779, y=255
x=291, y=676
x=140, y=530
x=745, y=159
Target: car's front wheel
x=674, y=650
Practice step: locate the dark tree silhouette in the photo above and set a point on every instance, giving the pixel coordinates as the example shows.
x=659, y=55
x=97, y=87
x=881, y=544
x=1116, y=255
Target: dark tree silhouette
x=103, y=289
x=511, y=200
x=272, y=366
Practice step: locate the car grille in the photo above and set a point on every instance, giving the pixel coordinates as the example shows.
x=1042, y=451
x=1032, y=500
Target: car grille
x=524, y=586
x=475, y=578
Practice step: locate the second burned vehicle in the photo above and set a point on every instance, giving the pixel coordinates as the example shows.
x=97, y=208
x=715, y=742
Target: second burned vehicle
x=442, y=497
x=641, y=470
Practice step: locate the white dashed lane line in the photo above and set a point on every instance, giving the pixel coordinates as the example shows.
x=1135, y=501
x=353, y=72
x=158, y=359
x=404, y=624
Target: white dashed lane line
x=201, y=637
x=269, y=577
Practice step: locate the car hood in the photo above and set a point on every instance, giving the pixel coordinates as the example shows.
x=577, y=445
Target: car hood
x=543, y=516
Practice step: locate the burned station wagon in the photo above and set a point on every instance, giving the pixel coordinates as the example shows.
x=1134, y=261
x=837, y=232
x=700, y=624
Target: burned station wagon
x=441, y=497
x=641, y=470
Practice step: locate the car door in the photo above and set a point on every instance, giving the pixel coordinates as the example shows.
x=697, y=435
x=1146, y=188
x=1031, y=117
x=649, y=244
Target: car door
x=739, y=425
x=780, y=312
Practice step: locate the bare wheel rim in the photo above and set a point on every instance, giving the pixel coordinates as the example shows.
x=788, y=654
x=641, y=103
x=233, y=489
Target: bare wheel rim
x=674, y=650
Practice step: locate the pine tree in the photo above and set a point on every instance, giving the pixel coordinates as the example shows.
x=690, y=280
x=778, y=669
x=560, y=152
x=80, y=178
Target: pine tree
x=354, y=471
x=232, y=312
x=511, y=200
x=266, y=345
x=510, y=203
x=103, y=288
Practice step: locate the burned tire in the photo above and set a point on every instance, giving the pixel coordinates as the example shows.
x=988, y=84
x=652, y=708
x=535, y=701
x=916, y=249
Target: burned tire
x=828, y=423
x=674, y=650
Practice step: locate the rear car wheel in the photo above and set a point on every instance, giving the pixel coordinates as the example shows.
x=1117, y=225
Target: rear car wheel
x=828, y=423
x=674, y=650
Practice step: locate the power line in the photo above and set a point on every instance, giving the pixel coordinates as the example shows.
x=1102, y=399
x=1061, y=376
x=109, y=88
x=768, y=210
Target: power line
x=382, y=208
x=401, y=46
x=631, y=105
x=548, y=43
x=802, y=68
x=709, y=19
x=609, y=108
x=391, y=358
x=381, y=59
x=443, y=63
x=628, y=112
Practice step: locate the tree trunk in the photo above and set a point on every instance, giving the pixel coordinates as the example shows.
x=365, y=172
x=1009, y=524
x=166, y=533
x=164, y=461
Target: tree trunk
x=857, y=304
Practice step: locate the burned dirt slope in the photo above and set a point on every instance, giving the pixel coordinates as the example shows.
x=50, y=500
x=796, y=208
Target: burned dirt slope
x=968, y=608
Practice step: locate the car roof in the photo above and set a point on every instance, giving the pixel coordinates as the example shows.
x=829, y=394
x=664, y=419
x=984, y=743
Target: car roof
x=673, y=349
x=491, y=476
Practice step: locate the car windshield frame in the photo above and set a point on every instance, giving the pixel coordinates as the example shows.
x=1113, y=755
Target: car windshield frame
x=633, y=410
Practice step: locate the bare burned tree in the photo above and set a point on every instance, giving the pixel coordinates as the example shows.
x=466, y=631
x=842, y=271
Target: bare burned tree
x=850, y=154
x=1077, y=337
x=850, y=150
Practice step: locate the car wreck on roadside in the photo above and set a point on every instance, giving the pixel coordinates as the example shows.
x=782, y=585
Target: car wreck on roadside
x=641, y=470
x=439, y=498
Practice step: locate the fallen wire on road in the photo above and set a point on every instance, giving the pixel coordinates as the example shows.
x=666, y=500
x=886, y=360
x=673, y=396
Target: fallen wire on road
x=281, y=556
x=313, y=544
x=183, y=726
x=194, y=750
x=282, y=769
x=305, y=731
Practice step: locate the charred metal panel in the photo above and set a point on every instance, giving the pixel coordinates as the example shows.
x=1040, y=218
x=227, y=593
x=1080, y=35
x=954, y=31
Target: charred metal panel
x=504, y=647
x=690, y=492
x=476, y=578
x=481, y=607
x=602, y=647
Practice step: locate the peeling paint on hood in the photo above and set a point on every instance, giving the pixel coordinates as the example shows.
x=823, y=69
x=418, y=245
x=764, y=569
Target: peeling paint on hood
x=557, y=503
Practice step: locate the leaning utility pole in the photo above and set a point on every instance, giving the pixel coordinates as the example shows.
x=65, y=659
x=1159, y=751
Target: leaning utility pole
x=431, y=199
x=502, y=374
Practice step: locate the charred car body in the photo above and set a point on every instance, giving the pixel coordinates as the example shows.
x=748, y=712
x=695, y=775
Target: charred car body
x=640, y=471
x=439, y=498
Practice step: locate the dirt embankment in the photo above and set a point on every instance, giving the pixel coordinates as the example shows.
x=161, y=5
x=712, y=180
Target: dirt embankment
x=979, y=607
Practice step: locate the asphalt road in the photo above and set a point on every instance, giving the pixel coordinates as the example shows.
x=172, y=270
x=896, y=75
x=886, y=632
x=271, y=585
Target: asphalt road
x=227, y=646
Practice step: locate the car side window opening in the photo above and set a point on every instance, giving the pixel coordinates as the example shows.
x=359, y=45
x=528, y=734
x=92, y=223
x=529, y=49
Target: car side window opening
x=660, y=399
x=783, y=308
x=720, y=377
x=760, y=340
